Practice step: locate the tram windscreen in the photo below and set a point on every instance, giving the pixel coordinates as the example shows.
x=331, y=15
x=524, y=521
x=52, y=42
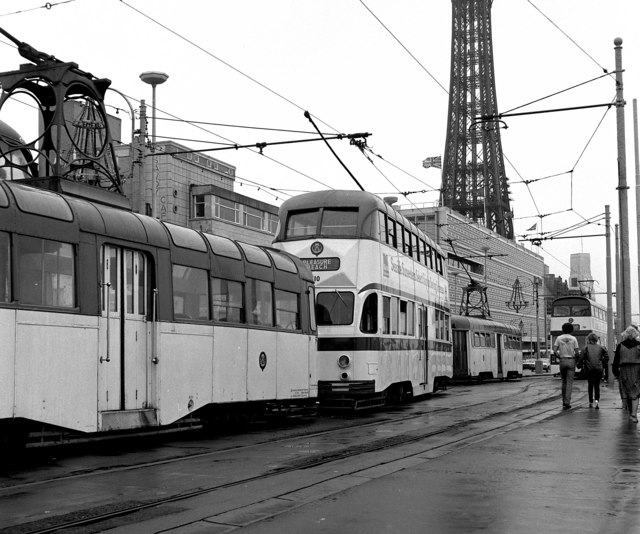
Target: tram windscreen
x=334, y=308
x=342, y=222
x=302, y=223
x=572, y=308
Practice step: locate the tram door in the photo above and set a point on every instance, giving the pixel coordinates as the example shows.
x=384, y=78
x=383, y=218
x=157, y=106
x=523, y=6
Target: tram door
x=123, y=381
x=499, y=354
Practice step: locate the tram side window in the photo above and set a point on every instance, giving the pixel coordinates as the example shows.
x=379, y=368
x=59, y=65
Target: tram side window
x=416, y=247
x=227, y=301
x=369, y=318
x=302, y=223
x=5, y=268
x=287, y=310
x=407, y=318
x=402, y=326
x=428, y=256
x=392, y=233
x=46, y=271
x=260, y=302
x=439, y=268
x=334, y=307
x=386, y=315
x=135, y=282
x=343, y=223
x=383, y=235
x=190, y=293
x=394, y=315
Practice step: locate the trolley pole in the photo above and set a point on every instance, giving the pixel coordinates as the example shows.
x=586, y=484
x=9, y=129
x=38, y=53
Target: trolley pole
x=625, y=267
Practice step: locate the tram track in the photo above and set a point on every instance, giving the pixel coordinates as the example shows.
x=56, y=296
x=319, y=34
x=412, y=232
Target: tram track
x=390, y=415
x=448, y=438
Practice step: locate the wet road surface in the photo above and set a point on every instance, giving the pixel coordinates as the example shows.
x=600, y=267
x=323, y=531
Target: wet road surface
x=491, y=458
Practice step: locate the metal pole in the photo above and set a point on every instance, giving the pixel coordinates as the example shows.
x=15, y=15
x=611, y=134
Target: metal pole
x=610, y=332
x=618, y=281
x=625, y=268
x=535, y=285
x=141, y=158
x=637, y=162
x=154, y=181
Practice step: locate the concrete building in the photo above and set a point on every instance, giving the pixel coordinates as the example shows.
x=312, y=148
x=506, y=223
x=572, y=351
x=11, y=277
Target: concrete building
x=196, y=190
x=477, y=253
x=580, y=279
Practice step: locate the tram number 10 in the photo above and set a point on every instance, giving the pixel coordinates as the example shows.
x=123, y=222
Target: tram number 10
x=316, y=278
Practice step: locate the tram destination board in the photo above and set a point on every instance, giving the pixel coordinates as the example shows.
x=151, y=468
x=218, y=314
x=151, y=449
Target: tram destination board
x=322, y=264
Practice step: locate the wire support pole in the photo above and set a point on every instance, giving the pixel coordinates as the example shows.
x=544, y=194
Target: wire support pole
x=625, y=264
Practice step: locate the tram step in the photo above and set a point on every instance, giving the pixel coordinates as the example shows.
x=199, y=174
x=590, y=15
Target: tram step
x=127, y=419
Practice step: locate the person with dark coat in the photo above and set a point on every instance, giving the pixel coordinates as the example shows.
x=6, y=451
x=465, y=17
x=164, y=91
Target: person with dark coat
x=626, y=368
x=593, y=359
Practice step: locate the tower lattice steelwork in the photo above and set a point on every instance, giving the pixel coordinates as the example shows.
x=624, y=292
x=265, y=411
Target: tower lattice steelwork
x=473, y=176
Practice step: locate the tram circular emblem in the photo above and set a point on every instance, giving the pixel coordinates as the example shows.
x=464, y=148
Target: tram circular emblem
x=316, y=248
x=262, y=360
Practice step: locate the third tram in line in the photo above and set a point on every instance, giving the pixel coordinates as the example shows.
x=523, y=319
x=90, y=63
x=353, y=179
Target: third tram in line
x=382, y=303
x=584, y=314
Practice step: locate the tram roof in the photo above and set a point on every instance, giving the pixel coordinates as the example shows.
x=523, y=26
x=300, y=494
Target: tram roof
x=67, y=215
x=365, y=201
x=465, y=322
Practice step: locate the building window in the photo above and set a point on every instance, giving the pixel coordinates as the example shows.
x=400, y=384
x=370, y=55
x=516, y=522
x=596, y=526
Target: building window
x=199, y=206
x=253, y=218
x=227, y=210
x=272, y=221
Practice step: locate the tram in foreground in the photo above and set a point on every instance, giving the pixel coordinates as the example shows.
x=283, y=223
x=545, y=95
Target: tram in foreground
x=382, y=298
x=111, y=320
x=586, y=315
x=485, y=349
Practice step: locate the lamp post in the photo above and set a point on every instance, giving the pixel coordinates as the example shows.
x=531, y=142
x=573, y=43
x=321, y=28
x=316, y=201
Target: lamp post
x=153, y=78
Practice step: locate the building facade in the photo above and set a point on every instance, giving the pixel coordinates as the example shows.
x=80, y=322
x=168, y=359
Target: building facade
x=477, y=253
x=196, y=190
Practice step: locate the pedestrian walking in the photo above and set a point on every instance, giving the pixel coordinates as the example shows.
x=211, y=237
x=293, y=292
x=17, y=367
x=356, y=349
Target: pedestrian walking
x=593, y=359
x=626, y=368
x=567, y=350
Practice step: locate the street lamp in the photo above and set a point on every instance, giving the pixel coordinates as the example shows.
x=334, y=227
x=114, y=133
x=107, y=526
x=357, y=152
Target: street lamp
x=153, y=78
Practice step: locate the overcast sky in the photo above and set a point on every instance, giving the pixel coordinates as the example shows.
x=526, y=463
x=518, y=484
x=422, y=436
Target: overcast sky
x=366, y=66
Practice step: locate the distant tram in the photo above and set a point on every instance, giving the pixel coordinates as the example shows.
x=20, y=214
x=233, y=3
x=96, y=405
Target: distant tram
x=382, y=302
x=485, y=349
x=584, y=314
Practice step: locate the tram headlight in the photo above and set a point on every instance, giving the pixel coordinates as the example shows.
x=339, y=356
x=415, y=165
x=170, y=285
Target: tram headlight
x=344, y=361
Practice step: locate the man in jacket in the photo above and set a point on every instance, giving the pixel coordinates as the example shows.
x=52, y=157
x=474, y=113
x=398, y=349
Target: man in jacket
x=566, y=348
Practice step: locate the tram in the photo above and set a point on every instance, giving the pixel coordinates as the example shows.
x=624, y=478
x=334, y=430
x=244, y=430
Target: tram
x=586, y=316
x=111, y=320
x=382, y=298
x=485, y=349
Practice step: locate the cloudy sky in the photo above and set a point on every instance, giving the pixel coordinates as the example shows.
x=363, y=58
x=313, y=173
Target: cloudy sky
x=246, y=70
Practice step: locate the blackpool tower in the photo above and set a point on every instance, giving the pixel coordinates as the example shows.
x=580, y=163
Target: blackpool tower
x=474, y=182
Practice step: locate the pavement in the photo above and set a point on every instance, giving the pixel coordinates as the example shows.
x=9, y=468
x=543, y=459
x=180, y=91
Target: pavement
x=575, y=471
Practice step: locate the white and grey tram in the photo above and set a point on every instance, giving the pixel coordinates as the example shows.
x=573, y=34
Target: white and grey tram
x=382, y=302
x=110, y=320
x=485, y=349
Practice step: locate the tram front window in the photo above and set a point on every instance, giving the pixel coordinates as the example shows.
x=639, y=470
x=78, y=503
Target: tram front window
x=334, y=308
